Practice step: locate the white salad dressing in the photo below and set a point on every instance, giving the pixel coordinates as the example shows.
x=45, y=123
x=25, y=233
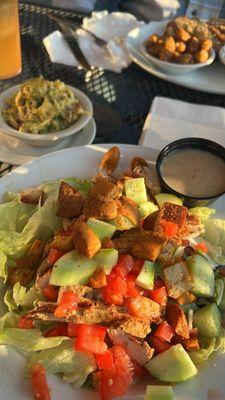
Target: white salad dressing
x=194, y=172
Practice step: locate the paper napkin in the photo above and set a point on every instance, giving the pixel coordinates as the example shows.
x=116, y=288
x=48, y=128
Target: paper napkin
x=169, y=120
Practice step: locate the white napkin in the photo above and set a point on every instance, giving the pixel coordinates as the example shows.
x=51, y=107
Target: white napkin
x=170, y=120
x=111, y=27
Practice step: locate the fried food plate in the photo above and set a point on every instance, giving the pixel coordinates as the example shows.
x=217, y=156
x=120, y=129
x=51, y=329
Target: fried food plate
x=83, y=162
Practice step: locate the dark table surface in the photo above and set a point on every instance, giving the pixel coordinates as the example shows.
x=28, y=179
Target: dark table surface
x=121, y=101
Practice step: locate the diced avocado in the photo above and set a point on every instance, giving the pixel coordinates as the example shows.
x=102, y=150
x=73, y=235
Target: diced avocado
x=158, y=393
x=146, y=208
x=135, y=189
x=106, y=259
x=173, y=365
x=162, y=198
x=145, y=279
x=202, y=276
x=100, y=228
x=72, y=269
x=122, y=223
x=222, y=303
x=208, y=320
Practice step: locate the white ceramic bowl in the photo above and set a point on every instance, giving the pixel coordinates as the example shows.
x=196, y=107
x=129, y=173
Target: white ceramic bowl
x=46, y=139
x=222, y=54
x=158, y=28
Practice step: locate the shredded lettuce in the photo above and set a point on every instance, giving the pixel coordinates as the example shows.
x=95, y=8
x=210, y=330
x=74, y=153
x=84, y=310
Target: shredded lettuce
x=215, y=232
x=202, y=212
x=23, y=297
x=28, y=340
x=75, y=366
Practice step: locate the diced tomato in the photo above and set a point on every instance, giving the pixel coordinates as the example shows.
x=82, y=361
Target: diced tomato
x=90, y=338
x=134, y=307
x=132, y=289
x=58, y=330
x=164, y=331
x=39, y=383
x=159, y=345
x=116, y=381
x=169, y=227
x=68, y=302
x=202, y=246
x=104, y=360
x=115, y=291
x=138, y=264
x=54, y=255
x=72, y=329
x=25, y=323
x=51, y=293
x=159, y=295
x=124, y=265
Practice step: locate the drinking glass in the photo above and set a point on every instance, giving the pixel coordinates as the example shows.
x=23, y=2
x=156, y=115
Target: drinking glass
x=10, y=50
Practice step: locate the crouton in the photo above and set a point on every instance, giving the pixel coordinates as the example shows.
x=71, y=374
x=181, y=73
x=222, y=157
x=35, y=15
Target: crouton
x=136, y=327
x=110, y=160
x=145, y=308
x=149, y=222
x=175, y=316
x=104, y=187
x=129, y=209
x=147, y=246
x=97, y=206
x=167, y=252
x=177, y=279
x=98, y=280
x=97, y=313
x=70, y=202
x=85, y=240
x=31, y=195
x=191, y=344
x=172, y=213
x=125, y=241
x=63, y=239
x=139, y=352
x=186, y=298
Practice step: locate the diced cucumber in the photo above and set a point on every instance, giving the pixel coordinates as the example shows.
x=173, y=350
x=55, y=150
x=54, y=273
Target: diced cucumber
x=158, y=393
x=135, y=189
x=173, y=365
x=146, y=208
x=72, y=269
x=106, y=259
x=122, y=223
x=202, y=355
x=145, y=279
x=222, y=303
x=100, y=228
x=162, y=198
x=208, y=320
x=202, y=275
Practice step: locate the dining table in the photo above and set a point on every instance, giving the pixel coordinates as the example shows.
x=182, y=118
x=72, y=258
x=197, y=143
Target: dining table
x=121, y=101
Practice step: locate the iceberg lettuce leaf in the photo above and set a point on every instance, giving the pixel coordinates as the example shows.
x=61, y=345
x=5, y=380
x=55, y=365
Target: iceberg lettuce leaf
x=28, y=340
x=215, y=232
x=9, y=320
x=75, y=366
x=202, y=212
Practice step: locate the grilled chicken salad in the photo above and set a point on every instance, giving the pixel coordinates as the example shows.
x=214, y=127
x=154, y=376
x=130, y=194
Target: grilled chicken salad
x=109, y=278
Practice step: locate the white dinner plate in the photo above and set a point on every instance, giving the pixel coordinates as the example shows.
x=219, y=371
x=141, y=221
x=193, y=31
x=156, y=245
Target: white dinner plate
x=16, y=152
x=209, y=79
x=83, y=162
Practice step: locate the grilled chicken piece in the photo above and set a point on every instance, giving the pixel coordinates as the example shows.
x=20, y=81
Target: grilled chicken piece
x=31, y=196
x=167, y=252
x=135, y=327
x=43, y=275
x=43, y=312
x=97, y=313
x=192, y=228
x=110, y=160
x=70, y=202
x=138, y=351
x=22, y=275
x=85, y=241
x=171, y=213
x=84, y=294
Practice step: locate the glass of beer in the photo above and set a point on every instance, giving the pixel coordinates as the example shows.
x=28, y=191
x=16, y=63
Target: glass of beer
x=10, y=50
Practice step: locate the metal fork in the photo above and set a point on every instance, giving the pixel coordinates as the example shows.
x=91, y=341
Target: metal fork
x=100, y=42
